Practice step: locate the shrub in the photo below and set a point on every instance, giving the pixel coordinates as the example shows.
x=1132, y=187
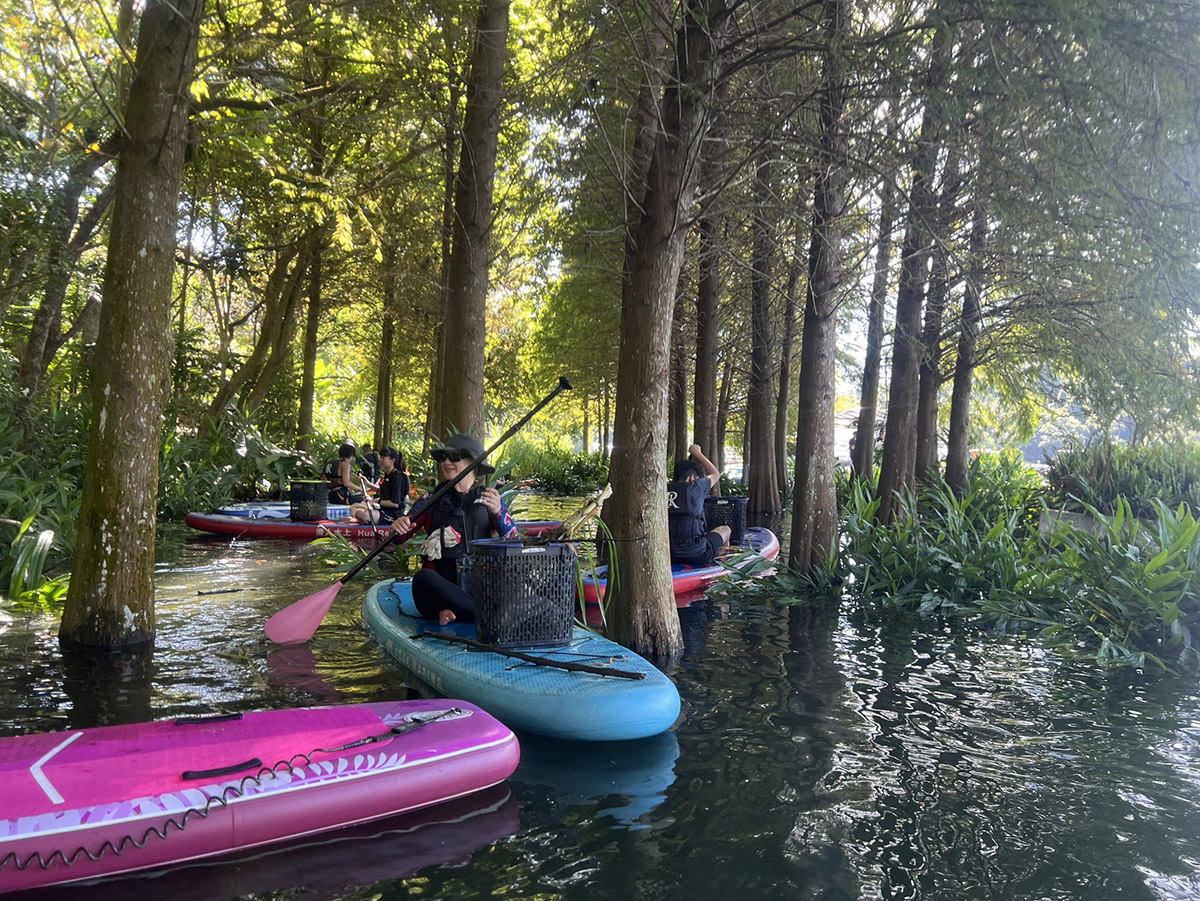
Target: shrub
x=1082, y=476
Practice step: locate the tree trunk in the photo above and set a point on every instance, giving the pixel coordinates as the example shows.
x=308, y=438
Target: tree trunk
x=678, y=419
x=957, y=447
x=762, y=475
x=927, y=463
x=898, y=469
x=305, y=427
x=814, y=500
x=62, y=254
x=387, y=338
x=462, y=394
x=724, y=399
x=704, y=412
x=434, y=426
x=862, y=458
x=110, y=601
x=783, y=398
x=283, y=332
x=642, y=604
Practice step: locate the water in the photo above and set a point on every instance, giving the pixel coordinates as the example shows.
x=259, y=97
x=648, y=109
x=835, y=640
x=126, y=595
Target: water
x=816, y=757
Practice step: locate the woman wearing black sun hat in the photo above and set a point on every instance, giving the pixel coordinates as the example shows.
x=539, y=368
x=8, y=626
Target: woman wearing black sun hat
x=469, y=512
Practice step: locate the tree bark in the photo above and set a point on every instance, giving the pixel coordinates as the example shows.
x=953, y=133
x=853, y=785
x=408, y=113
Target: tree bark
x=928, y=468
x=62, y=254
x=642, y=604
x=814, y=501
x=862, y=459
x=898, y=470
x=384, y=402
x=110, y=601
x=462, y=394
x=762, y=475
x=783, y=398
x=957, y=446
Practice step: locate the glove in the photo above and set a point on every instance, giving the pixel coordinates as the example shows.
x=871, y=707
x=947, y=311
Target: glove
x=443, y=538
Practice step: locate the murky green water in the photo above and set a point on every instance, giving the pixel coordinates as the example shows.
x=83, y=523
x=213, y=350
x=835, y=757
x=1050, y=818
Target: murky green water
x=815, y=758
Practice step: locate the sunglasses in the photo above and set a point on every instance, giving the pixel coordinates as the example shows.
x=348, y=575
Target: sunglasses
x=453, y=456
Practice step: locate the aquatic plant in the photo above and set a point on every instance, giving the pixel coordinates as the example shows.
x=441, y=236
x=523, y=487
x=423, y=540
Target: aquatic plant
x=1096, y=475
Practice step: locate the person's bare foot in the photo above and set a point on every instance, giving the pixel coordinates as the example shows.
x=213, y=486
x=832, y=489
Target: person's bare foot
x=445, y=617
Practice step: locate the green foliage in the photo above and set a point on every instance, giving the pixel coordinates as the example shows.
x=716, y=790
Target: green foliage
x=557, y=470
x=1098, y=475
x=1123, y=593
x=233, y=461
x=41, y=480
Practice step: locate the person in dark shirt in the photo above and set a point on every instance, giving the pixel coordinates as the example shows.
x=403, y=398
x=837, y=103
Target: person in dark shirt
x=469, y=512
x=391, y=500
x=692, y=481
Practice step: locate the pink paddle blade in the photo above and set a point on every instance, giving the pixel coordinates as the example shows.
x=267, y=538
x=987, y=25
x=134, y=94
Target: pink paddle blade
x=296, y=623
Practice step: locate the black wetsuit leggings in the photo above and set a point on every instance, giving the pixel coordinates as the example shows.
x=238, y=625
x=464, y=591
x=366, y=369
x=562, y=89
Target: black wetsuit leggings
x=433, y=593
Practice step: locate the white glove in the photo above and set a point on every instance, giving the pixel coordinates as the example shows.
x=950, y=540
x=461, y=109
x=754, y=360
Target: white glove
x=442, y=538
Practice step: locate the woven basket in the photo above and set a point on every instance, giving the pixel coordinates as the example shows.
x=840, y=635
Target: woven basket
x=524, y=595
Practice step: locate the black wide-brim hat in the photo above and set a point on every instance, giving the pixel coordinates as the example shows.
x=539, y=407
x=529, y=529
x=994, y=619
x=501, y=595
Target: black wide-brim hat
x=464, y=444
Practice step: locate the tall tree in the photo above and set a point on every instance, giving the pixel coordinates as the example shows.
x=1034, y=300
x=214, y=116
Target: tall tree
x=814, y=501
x=470, y=254
x=762, y=477
x=110, y=602
x=643, y=603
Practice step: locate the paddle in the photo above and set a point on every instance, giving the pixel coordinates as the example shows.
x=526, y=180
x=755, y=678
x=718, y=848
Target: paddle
x=297, y=622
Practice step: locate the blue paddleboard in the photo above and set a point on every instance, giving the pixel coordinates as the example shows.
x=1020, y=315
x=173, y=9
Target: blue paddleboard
x=579, y=706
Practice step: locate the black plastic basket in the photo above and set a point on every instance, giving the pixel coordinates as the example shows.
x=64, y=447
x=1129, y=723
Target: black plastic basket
x=310, y=500
x=727, y=511
x=524, y=595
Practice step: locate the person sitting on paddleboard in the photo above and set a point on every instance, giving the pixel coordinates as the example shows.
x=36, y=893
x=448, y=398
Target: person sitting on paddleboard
x=341, y=474
x=692, y=481
x=392, y=497
x=469, y=512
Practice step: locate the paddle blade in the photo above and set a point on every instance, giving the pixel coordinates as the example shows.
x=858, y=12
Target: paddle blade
x=296, y=623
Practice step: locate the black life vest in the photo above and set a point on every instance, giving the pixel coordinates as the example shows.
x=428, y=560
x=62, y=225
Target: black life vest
x=685, y=513
x=331, y=471
x=470, y=520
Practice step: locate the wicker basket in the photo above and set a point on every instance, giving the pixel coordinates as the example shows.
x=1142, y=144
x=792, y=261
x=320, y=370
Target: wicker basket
x=310, y=500
x=727, y=511
x=524, y=595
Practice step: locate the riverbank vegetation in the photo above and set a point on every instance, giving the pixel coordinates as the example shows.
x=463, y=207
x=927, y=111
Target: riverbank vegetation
x=1116, y=588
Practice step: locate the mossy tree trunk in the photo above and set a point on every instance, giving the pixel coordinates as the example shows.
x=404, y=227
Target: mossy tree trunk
x=110, y=602
x=642, y=604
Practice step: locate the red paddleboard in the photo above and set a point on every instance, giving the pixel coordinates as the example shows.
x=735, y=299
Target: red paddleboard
x=760, y=544
x=245, y=527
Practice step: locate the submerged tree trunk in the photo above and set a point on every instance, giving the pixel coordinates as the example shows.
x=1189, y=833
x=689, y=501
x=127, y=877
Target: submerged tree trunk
x=110, y=601
x=814, y=501
x=957, y=447
x=642, y=604
x=470, y=253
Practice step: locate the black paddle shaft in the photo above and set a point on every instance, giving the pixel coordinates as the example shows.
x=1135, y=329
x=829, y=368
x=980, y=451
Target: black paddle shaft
x=563, y=385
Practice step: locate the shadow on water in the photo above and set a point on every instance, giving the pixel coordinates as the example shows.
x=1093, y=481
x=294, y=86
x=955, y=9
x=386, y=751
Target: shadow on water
x=819, y=754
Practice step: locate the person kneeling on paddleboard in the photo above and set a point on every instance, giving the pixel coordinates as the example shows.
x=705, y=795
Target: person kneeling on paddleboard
x=692, y=481
x=469, y=512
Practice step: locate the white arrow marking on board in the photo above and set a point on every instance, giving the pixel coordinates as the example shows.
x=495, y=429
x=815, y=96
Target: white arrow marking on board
x=40, y=777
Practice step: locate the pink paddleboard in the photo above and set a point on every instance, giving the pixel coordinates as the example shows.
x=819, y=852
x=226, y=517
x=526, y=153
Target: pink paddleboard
x=96, y=802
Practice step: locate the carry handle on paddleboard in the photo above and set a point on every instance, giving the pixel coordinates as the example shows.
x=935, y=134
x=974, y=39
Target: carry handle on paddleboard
x=297, y=622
